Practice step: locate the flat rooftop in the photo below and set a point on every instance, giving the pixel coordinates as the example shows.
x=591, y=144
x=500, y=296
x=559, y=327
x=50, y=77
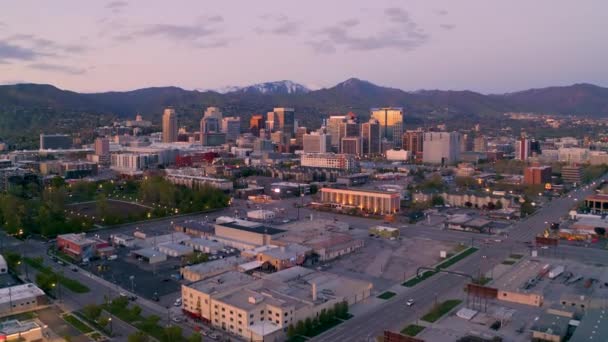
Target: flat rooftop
x=215, y=265
x=593, y=326
x=223, y=282
x=258, y=229
x=18, y=292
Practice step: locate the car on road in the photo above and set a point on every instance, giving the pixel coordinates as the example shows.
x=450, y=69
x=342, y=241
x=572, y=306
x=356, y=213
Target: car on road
x=410, y=302
x=59, y=262
x=74, y=269
x=213, y=336
x=177, y=319
x=178, y=302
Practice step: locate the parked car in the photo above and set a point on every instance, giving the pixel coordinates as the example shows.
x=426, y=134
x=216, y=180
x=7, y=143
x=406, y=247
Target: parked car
x=410, y=302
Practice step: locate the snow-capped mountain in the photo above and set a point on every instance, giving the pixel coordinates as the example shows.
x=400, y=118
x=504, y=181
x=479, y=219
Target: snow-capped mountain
x=268, y=88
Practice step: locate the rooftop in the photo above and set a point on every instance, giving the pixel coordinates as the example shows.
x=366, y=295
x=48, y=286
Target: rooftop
x=215, y=265
x=78, y=239
x=258, y=229
x=223, y=282
x=19, y=292
x=593, y=326
x=176, y=247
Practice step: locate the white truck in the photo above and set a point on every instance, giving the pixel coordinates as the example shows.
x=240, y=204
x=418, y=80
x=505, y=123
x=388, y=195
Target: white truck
x=556, y=271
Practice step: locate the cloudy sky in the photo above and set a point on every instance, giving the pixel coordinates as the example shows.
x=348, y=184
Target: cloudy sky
x=486, y=46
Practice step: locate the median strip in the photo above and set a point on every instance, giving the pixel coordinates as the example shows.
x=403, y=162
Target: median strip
x=438, y=311
x=412, y=330
x=387, y=295
x=442, y=265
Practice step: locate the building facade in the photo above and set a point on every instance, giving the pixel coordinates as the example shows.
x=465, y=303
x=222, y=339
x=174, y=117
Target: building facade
x=391, y=123
x=377, y=202
x=329, y=161
x=169, y=125
x=370, y=137
x=441, y=148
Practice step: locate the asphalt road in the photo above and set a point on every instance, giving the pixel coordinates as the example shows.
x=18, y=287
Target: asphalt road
x=394, y=314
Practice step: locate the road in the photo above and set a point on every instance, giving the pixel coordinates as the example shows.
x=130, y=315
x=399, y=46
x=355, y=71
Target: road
x=394, y=314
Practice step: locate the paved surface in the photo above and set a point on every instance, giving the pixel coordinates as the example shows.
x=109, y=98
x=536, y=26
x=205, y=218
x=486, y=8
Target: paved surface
x=394, y=314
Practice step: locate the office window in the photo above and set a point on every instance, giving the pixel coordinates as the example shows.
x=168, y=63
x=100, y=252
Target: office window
x=277, y=314
x=240, y=315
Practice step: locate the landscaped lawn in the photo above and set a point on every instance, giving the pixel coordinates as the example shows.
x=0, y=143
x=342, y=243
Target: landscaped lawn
x=412, y=330
x=508, y=262
x=516, y=256
x=78, y=324
x=482, y=280
x=387, y=295
x=445, y=264
x=441, y=309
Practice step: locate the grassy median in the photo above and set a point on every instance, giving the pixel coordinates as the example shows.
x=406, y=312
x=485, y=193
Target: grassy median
x=437, y=312
x=387, y=295
x=412, y=330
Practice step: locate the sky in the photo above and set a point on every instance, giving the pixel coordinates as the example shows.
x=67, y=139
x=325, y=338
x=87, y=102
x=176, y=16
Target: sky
x=479, y=45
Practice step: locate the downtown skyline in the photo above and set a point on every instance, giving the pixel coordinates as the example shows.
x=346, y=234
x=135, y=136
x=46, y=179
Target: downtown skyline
x=122, y=45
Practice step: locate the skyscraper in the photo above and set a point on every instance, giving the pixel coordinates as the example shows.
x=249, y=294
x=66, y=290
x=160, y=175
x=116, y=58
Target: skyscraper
x=169, y=125
x=441, y=147
x=334, y=128
x=282, y=119
x=231, y=126
x=522, y=149
x=256, y=123
x=413, y=143
x=391, y=123
x=370, y=136
x=210, y=128
x=316, y=142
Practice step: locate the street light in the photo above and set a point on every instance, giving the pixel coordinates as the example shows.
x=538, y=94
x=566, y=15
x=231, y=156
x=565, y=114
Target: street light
x=111, y=326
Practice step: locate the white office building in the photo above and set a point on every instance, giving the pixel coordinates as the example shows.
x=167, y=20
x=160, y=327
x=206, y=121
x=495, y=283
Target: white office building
x=441, y=148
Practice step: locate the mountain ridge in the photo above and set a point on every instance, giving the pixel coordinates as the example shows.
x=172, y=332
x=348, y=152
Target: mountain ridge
x=29, y=107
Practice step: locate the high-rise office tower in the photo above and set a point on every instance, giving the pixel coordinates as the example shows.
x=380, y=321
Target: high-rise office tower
x=282, y=119
x=210, y=128
x=300, y=132
x=256, y=123
x=316, y=142
x=102, y=146
x=231, y=126
x=169, y=125
x=413, y=143
x=351, y=145
x=522, y=149
x=441, y=148
x=370, y=136
x=334, y=128
x=391, y=123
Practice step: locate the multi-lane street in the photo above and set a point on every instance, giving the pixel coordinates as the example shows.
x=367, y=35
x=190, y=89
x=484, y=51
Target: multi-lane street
x=394, y=314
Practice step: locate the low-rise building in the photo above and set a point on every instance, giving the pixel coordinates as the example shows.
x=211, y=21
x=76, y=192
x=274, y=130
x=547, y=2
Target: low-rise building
x=373, y=201
x=282, y=257
x=194, y=178
x=466, y=199
x=346, y=162
x=204, y=245
x=210, y=269
x=15, y=330
x=288, y=189
x=550, y=327
x=175, y=249
x=195, y=228
x=262, y=309
x=597, y=203
x=81, y=247
x=245, y=234
x=151, y=255
x=21, y=298
x=353, y=179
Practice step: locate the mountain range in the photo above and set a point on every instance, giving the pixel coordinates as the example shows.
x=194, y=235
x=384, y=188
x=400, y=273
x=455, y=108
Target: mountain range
x=37, y=107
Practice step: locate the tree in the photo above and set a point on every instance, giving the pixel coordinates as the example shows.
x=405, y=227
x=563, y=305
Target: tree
x=437, y=200
x=468, y=204
x=171, y=334
x=103, y=321
x=300, y=328
x=308, y=328
x=195, y=337
x=600, y=231
x=315, y=321
x=138, y=336
x=91, y=311
x=498, y=205
x=291, y=331
x=323, y=317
